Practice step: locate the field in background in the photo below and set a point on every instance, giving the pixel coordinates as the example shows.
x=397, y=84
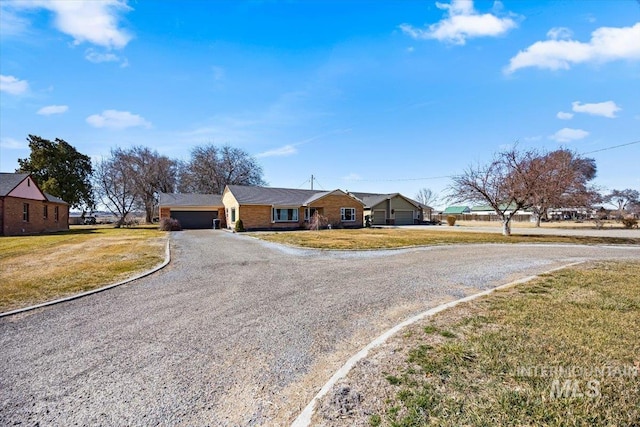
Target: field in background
x=381, y=238
x=35, y=269
x=546, y=225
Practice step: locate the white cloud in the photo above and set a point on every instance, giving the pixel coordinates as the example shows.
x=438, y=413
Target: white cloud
x=96, y=57
x=12, y=144
x=559, y=33
x=568, y=135
x=114, y=119
x=607, y=44
x=95, y=22
x=564, y=116
x=13, y=85
x=286, y=150
x=10, y=23
x=604, y=109
x=53, y=109
x=461, y=23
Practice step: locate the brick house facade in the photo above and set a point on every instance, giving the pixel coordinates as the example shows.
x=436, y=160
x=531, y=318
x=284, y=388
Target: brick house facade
x=266, y=208
x=25, y=209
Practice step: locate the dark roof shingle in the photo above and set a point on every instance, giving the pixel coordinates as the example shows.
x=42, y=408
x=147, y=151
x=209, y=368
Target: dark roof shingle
x=177, y=199
x=9, y=181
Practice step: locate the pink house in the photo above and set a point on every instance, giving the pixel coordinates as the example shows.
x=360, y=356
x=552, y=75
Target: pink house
x=26, y=209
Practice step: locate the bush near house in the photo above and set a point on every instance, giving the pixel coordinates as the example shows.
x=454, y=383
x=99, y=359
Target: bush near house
x=451, y=220
x=239, y=227
x=170, y=224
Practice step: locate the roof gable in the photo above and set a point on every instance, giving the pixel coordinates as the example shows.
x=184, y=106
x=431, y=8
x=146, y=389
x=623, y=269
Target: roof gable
x=372, y=199
x=20, y=185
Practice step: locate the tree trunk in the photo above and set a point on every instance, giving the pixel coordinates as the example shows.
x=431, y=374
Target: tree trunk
x=506, y=226
x=538, y=219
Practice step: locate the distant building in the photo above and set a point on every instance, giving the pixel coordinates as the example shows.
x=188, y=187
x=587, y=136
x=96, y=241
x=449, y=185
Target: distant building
x=457, y=210
x=26, y=209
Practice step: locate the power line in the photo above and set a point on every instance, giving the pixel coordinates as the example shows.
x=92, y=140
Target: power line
x=451, y=176
x=612, y=147
x=300, y=186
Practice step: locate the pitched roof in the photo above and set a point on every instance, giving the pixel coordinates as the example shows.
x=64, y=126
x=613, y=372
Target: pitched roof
x=372, y=199
x=456, y=210
x=54, y=199
x=176, y=199
x=9, y=181
x=248, y=195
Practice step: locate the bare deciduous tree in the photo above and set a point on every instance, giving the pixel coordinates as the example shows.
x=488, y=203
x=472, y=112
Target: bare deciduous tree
x=517, y=180
x=427, y=199
x=623, y=200
x=505, y=184
x=114, y=184
x=562, y=178
x=211, y=169
x=152, y=174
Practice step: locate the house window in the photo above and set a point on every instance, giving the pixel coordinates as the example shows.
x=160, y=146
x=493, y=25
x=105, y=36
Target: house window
x=25, y=212
x=56, y=213
x=285, y=214
x=45, y=212
x=348, y=214
x=233, y=214
x=309, y=213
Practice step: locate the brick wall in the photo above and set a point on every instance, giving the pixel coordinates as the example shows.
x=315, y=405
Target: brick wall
x=165, y=213
x=259, y=217
x=13, y=224
x=331, y=209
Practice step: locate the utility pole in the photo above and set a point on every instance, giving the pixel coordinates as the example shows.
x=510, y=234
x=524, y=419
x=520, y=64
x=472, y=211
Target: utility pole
x=312, y=181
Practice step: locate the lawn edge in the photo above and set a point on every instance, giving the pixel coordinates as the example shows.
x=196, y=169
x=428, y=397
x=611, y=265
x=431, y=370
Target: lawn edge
x=167, y=260
x=304, y=418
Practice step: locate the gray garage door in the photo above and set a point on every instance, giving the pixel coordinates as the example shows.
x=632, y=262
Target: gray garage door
x=404, y=218
x=379, y=217
x=195, y=219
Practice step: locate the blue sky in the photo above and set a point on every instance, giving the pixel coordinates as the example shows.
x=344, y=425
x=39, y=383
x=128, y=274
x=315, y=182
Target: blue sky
x=378, y=96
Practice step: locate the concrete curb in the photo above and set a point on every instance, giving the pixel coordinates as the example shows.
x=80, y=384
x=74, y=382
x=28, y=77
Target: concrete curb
x=304, y=419
x=167, y=260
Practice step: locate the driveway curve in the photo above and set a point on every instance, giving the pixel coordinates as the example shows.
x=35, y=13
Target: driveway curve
x=236, y=331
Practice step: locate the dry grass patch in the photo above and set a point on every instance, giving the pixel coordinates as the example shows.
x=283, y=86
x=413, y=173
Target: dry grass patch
x=35, y=269
x=561, y=350
x=371, y=238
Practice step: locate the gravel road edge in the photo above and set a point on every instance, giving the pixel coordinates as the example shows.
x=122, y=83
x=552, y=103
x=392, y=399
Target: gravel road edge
x=304, y=419
x=167, y=260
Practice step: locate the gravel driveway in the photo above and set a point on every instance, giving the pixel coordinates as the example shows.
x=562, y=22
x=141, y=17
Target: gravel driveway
x=235, y=331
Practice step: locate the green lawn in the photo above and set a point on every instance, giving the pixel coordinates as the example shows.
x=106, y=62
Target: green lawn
x=563, y=350
x=39, y=268
x=368, y=238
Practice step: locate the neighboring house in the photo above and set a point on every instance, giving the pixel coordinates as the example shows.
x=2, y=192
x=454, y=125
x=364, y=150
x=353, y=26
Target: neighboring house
x=193, y=210
x=26, y=209
x=391, y=209
x=457, y=210
x=266, y=208
x=571, y=213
